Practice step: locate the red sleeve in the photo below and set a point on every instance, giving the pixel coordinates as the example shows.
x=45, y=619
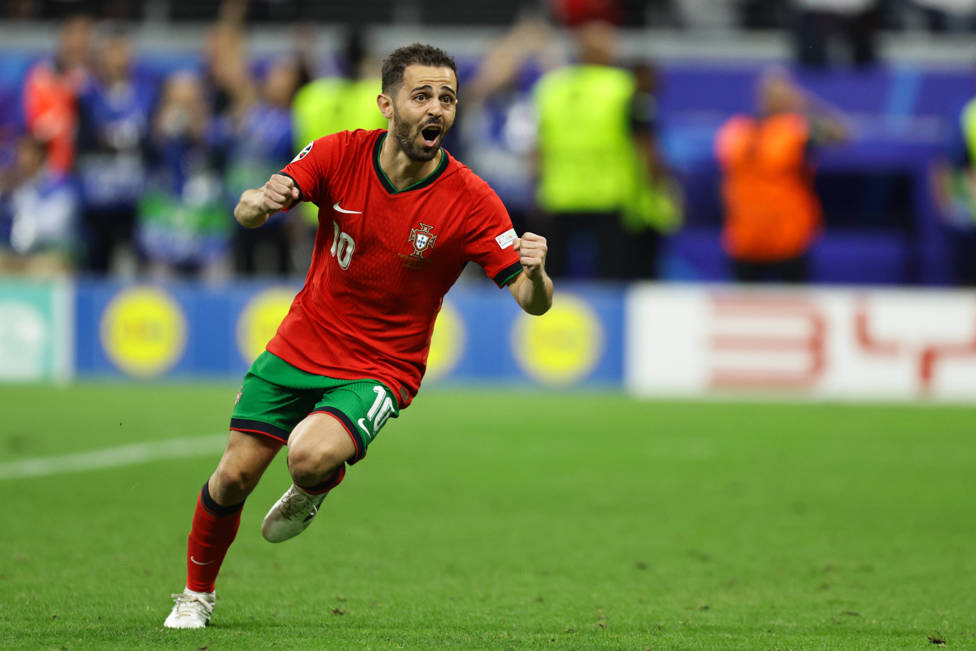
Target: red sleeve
x=491, y=240
x=316, y=164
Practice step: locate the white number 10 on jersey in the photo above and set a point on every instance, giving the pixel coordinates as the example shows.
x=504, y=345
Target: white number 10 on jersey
x=342, y=247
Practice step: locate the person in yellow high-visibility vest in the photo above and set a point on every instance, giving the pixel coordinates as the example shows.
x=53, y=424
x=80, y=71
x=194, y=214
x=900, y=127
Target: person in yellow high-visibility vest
x=954, y=185
x=341, y=103
x=600, y=183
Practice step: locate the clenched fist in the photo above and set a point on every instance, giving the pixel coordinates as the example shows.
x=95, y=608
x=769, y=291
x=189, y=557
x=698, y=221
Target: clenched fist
x=532, y=251
x=280, y=192
x=257, y=205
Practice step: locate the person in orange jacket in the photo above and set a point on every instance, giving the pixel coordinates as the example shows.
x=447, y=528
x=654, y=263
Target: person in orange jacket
x=50, y=92
x=772, y=214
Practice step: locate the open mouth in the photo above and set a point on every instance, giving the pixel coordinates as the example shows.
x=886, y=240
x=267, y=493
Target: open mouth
x=430, y=134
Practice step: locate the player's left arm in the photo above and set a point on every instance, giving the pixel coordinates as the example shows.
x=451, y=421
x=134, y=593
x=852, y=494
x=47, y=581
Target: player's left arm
x=532, y=289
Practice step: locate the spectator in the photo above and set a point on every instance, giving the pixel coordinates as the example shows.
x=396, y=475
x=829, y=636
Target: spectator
x=772, y=214
x=590, y=171
x=575, y=13
x=183, y=226
x=114, y=114
x=498, y=127
x=38, y=214
x=339, y=103
x=955, y=187
x=225, y=64
x=51, y=90
x=654, y=205
x=258, y=136
x=820, y=22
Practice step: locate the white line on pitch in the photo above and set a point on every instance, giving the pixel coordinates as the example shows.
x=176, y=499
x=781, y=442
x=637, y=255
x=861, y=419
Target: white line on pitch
x=125, y=455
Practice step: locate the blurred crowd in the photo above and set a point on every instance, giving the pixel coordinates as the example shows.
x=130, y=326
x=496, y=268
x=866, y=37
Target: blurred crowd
x=116, y=171
x=113, y=171
x=938, y=16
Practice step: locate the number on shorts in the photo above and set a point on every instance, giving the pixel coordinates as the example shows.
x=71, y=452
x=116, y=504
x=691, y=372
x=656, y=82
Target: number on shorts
x=381, y=410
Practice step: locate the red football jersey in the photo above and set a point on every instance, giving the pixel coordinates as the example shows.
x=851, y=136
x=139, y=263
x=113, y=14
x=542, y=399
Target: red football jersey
x=384, y=259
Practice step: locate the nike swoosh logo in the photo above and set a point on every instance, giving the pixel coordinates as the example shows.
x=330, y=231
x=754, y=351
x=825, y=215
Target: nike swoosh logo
x=199, y=563
x=339, y=208
x=365, y=429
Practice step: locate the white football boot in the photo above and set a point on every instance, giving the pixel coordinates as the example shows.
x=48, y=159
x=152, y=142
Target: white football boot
x=192, y=610
x=291, y=514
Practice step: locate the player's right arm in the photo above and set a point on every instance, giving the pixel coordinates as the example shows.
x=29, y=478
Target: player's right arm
x=257, y=205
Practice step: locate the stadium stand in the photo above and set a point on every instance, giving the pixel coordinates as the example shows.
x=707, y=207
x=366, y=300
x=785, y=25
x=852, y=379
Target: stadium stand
x=883, y=222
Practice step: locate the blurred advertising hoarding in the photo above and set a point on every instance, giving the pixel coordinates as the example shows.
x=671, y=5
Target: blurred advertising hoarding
x=654, y=340
x=857, y=344
x=149, y=331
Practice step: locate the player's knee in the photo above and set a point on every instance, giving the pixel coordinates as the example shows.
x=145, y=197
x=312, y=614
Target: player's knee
x=311, y=464
x=233, y=483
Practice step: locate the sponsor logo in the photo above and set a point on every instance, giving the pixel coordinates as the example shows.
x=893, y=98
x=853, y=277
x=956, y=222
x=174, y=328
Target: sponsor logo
x=303, y=153
x=259, y=320
x=927, y=342
x=447, y=342
x=199, y=563
x=563, y=348
x=339, y=208
x=765, y=342
x=143, y=331
x=422, y=240
x=506, y=239
x=821, y=343
x=362, y=425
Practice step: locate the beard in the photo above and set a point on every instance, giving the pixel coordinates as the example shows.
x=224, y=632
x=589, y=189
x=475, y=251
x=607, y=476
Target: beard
x=406, y=136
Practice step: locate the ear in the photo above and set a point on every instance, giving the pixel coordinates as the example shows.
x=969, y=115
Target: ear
x=385, y=103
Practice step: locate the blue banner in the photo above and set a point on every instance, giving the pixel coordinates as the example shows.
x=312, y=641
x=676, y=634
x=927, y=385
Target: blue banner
x=152, y=331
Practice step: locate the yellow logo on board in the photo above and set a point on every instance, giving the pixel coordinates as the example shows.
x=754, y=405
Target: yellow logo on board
x=143, y=331
x=260, y=319
x=447, y=342
x=562, y=346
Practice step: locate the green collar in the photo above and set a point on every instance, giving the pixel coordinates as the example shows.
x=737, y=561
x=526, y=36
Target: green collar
x=423, y=183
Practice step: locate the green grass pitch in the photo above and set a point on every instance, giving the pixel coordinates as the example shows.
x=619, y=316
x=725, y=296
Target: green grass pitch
x=510, y=520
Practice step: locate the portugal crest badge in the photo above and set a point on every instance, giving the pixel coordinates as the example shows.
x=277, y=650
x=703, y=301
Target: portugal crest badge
x=422, y=240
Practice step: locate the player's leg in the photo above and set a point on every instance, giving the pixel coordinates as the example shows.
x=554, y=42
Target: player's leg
x=215, y=522
x=274, y=397
x=318, y=449
x=218, y=511
x=343, y=423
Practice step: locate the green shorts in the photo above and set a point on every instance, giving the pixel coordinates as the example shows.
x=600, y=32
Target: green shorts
x=276, y=396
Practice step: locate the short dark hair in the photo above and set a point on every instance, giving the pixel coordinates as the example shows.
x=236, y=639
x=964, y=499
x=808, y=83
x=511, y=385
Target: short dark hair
x=416, y=54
